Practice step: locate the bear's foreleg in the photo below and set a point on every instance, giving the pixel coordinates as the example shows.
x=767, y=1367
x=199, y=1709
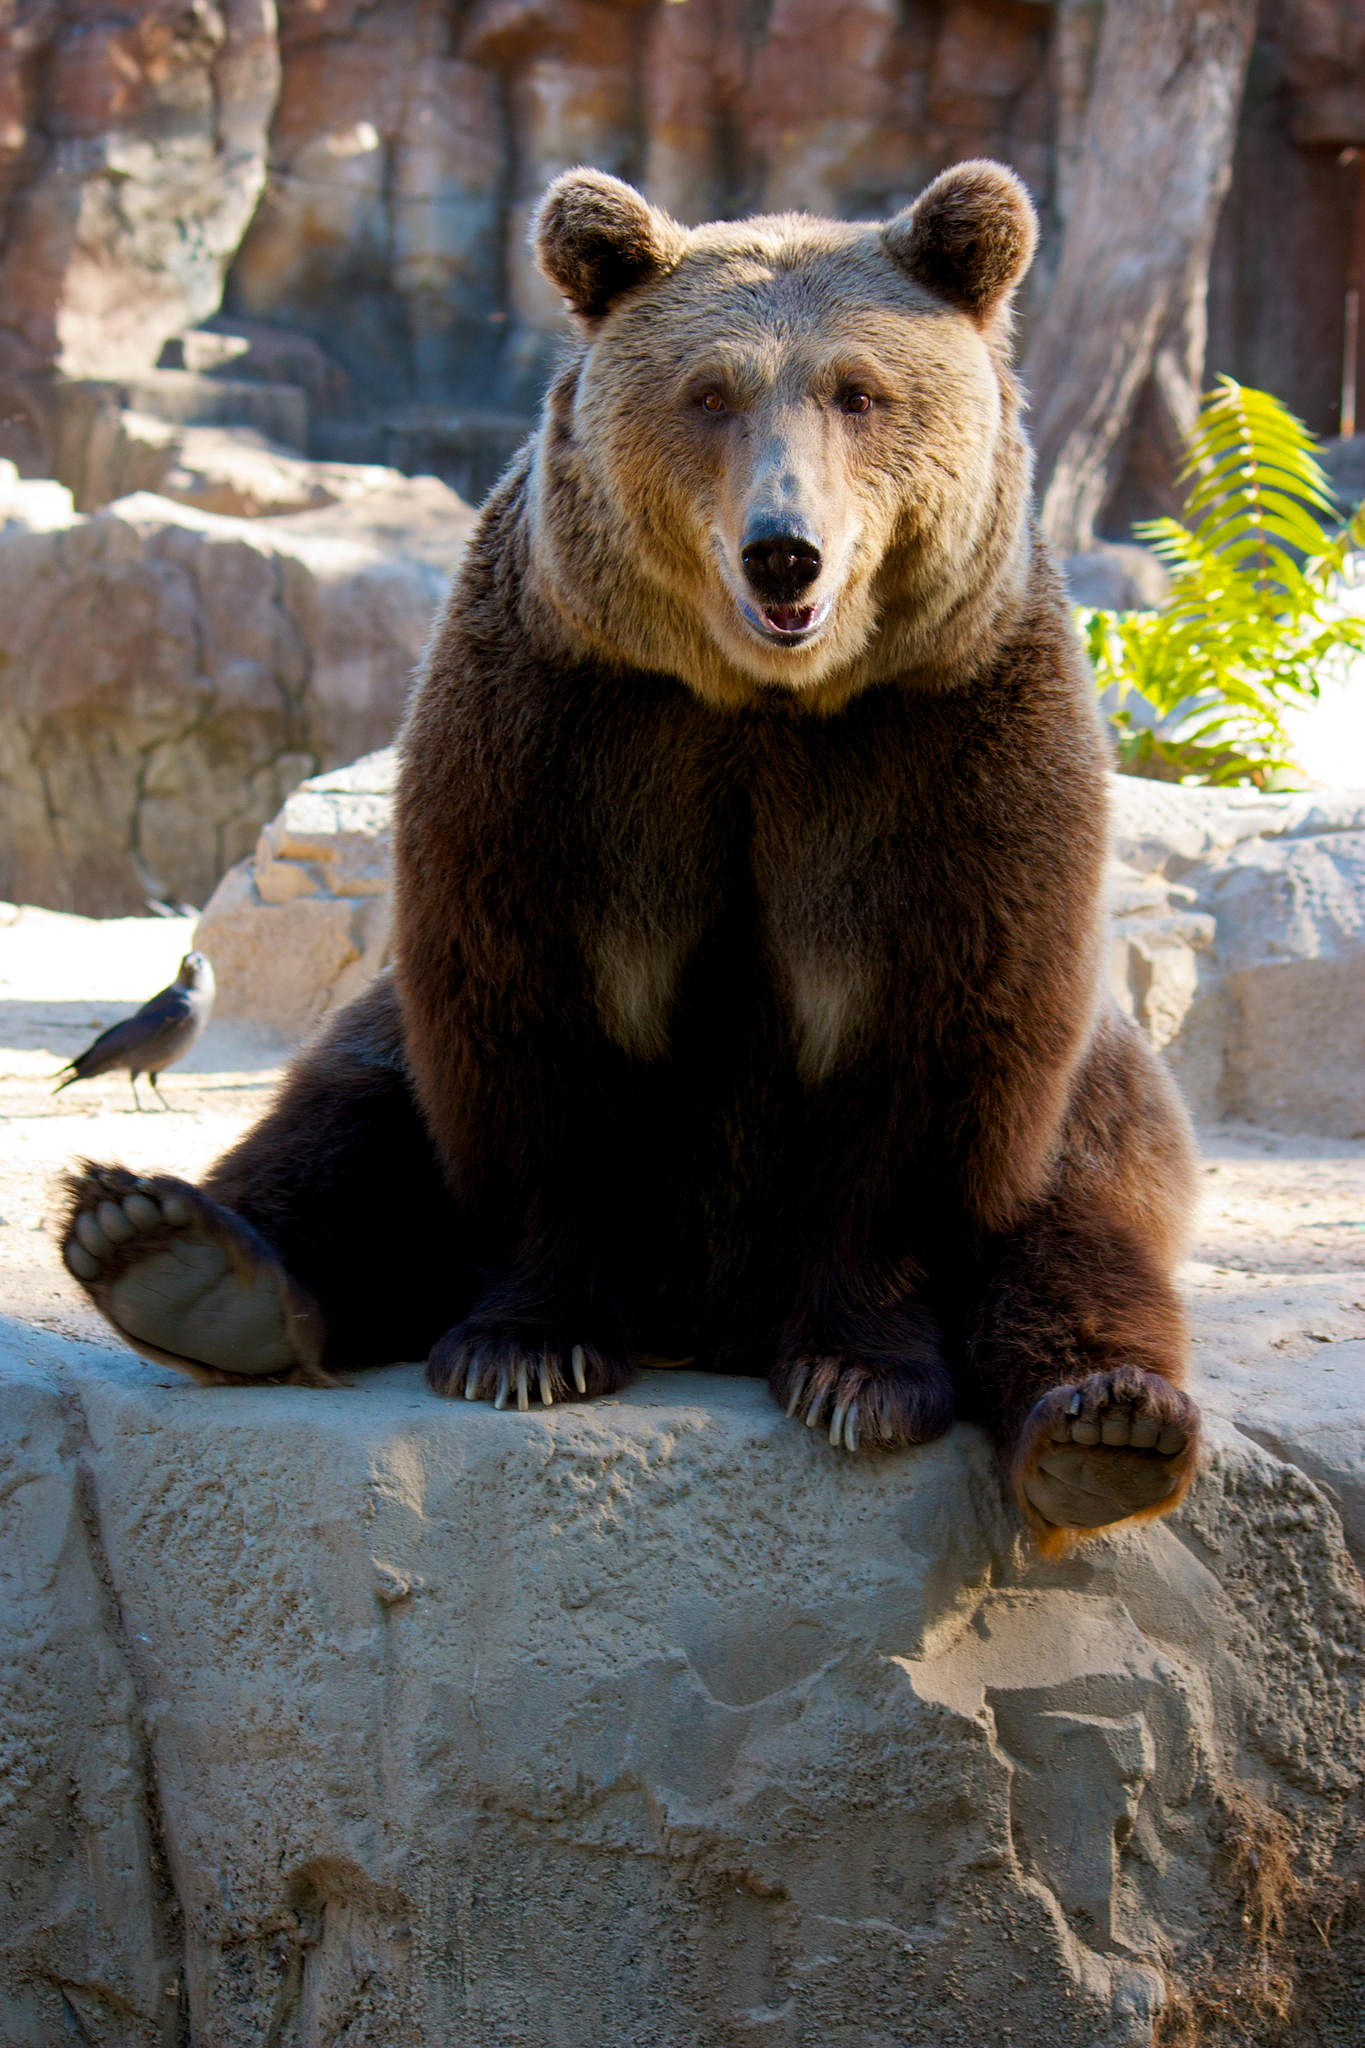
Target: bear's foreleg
x=861, y=1353
x=529, y=1338
x=528, y=1126
x=1077, y=1349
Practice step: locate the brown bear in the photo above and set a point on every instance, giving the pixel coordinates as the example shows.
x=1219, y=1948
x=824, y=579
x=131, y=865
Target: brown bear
x=750, y=1001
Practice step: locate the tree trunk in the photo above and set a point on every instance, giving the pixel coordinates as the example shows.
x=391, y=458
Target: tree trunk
x=1145, y=171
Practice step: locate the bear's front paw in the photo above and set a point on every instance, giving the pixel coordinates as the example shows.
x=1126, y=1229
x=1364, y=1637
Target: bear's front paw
x=506, y=1362
x=1114, y=1447
x=867, y=1407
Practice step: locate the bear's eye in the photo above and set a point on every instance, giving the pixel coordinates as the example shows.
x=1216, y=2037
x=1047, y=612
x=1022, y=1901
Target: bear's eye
x=856, y=401
x=712, y=402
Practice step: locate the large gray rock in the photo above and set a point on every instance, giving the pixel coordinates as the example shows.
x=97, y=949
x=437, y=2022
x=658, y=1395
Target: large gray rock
x=358, y=1717
x=167, y=676
x=1118, y=576
x=305, y=923
x=1240, y=947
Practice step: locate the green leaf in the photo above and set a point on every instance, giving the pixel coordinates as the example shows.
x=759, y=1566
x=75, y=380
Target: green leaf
x=1250, y=625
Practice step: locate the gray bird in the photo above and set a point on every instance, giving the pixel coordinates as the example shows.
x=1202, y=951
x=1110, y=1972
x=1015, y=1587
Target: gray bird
x=160, y=1033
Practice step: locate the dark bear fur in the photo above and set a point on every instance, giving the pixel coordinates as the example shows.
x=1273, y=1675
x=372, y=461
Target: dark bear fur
x=749, y=1004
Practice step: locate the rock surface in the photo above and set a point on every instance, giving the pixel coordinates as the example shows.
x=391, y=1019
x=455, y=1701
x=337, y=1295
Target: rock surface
x=301, y=926
x=1118, y=576
x=132, y=155
x=167, y=675
x=1240, y=947
x=407, y=142
x=351, y=1717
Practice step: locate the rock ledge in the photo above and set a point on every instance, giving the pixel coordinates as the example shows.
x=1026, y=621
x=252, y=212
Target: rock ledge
x=358, y=1718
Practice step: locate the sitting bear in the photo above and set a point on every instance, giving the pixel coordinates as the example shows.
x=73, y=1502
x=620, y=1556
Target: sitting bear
x=749, y=1003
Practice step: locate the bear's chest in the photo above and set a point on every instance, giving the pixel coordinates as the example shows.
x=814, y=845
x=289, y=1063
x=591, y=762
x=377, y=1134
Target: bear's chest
x=795, y=936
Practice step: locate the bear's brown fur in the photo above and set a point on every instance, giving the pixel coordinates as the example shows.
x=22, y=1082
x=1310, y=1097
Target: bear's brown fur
x=749, y=853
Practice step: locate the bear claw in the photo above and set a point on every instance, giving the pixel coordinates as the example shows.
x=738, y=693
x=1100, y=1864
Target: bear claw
x=489, y=1365
x=867, y=1407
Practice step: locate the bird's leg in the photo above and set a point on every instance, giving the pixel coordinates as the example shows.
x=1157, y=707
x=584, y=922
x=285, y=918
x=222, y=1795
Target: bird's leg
x=137, y=1104
x=158, y=1094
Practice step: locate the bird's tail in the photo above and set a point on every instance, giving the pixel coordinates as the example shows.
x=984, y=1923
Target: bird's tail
x=72, y=1072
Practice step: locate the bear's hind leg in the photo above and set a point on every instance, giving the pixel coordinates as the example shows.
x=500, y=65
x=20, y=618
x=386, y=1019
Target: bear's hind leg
x=185, y=1282
x=1079, y=1341
x=1077, y=1353
x=1116, y=1446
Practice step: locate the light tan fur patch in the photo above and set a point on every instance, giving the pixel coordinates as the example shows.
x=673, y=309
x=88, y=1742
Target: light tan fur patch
x=636, y=981
x=828, y=1000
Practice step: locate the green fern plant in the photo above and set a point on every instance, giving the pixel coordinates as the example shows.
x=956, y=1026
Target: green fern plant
x=1198, y=691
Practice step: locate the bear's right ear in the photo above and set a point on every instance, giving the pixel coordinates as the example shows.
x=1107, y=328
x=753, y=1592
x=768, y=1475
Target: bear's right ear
x=969, y=237
x=595, y=237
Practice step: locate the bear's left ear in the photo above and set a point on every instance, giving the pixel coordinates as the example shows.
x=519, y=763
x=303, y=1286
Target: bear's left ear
x=595, y=237
x=969, y=237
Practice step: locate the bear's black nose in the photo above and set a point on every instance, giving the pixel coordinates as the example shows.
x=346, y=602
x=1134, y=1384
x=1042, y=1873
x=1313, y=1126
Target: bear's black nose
x=780, y=565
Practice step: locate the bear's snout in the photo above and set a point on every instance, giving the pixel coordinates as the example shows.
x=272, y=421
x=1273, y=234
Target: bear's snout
x=780, y=566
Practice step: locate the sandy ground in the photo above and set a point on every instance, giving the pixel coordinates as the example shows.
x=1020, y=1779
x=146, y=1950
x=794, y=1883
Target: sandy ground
x=1277, y=1277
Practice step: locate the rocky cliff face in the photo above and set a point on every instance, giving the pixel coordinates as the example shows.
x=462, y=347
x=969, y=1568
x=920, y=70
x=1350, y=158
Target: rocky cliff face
x=132, y=155
x=412, y=140
x=396, y=146
x=167, y=675
x=1283, y=258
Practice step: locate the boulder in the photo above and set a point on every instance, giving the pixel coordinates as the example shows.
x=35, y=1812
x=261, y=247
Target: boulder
x=1118, y=576
x=361, y=1717
x=106, y=438
x=167, y=675
x=238, y=472
x=303, y=924
x=1240, y=947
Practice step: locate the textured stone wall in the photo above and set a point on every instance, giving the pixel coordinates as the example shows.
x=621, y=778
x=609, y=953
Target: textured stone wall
x=413, y=137
x=167, y=675
x=1277, y=285
x=132, y=154
x=366, y=167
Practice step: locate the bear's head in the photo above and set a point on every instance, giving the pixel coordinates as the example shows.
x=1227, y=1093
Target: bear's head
x=787, y=455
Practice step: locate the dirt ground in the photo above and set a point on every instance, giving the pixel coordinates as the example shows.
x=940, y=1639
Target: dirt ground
x=1277, y=1274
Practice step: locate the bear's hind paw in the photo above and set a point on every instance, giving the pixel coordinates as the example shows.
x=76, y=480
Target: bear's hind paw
x=186, y=1282
x=1113, y=1447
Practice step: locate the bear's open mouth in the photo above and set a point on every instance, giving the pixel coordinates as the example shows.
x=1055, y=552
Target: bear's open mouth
x=786, y=622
